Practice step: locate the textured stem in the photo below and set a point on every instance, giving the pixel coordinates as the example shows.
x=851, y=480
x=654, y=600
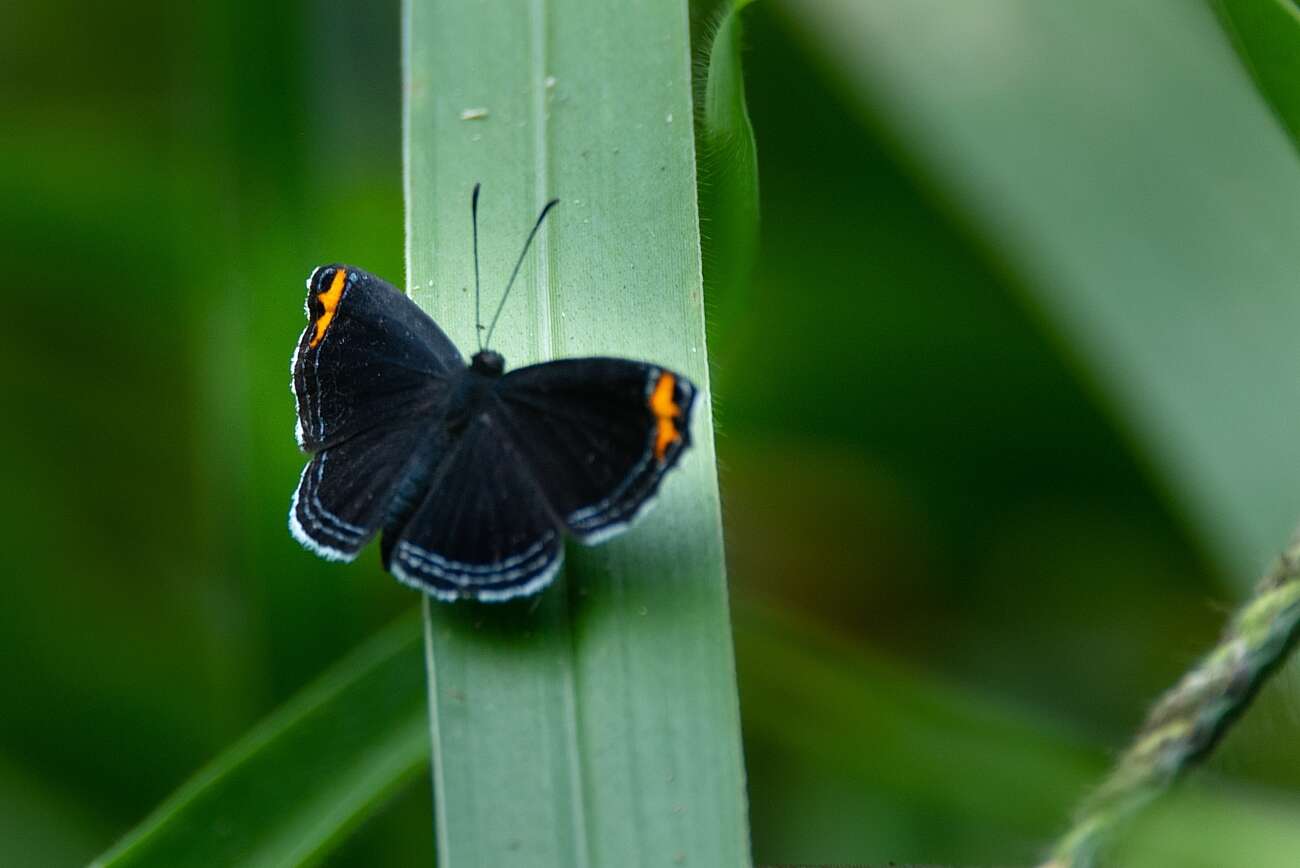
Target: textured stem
x=1187, y=722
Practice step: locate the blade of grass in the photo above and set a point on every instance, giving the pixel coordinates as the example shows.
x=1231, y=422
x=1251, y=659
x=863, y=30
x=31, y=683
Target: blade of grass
x=1085, y=144
x=1267, y=36
x=598, y=725
x=303, y=778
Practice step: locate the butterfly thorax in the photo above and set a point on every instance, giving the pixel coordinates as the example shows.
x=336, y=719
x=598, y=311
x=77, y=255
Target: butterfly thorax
x=472, y=389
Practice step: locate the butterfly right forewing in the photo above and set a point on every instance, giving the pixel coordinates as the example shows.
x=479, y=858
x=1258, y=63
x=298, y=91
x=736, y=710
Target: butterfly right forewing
x=598, y=434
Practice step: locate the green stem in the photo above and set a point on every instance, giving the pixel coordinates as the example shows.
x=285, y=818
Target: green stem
x=1188, y=721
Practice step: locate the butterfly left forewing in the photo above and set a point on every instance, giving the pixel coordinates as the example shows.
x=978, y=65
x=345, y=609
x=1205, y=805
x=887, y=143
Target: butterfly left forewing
x=368, y=355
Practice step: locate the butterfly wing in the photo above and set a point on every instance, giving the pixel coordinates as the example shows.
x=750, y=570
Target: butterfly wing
x=347, y=491
x=598, y=435
x=370, y=374
x=483, y=529
x=367, y=355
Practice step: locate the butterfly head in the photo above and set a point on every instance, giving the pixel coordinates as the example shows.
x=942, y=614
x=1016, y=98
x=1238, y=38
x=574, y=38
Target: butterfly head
x=489, y=363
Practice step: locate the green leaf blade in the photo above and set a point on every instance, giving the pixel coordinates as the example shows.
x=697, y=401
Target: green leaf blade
x=601, y=725
x=303, y=778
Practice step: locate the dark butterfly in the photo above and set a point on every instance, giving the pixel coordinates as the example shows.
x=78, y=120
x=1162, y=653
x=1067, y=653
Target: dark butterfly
x=474, y=475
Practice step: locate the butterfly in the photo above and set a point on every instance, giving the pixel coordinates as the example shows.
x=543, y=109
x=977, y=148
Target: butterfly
x=474, y=474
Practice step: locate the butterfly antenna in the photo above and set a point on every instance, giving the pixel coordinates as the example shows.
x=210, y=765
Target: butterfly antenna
x=501, y=306
x=478, y=317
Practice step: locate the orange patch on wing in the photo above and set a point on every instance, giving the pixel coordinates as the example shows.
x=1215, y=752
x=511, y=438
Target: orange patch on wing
x=330, y=299
x=666, y=413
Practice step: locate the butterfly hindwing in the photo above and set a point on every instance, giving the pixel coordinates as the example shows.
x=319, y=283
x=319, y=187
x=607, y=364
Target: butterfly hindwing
x=368, y=354
x=598, y=435
x=348, y=490
x=483, y=529
x=371, y=372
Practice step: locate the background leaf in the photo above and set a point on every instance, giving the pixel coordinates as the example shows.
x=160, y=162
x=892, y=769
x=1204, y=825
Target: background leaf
x=1267, y=34
x=1179, y=233
x=600, y=720
x=728, y=184
x=298, y=782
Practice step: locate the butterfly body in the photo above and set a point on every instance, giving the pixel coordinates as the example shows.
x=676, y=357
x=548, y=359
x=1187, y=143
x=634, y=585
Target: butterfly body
x=473, y=474
x=472, y=390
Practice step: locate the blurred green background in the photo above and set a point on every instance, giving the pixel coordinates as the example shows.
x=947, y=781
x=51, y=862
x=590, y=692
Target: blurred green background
x=928, y=475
